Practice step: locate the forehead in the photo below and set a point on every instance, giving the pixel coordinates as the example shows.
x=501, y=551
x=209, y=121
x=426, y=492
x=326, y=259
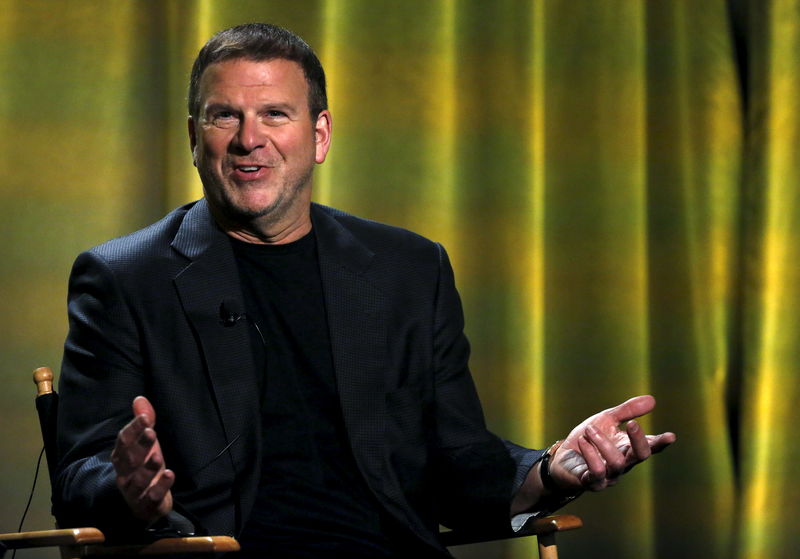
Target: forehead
x=242, y=77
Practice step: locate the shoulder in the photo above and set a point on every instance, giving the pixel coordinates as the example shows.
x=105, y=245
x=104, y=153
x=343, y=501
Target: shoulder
x=399, y=261
x=144, y=244
x=144, y=253
x=380, y=237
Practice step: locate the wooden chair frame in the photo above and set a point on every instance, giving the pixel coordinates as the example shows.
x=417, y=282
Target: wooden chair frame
x=544, y=529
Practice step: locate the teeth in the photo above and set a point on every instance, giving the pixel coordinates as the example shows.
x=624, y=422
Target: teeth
x=249, y=169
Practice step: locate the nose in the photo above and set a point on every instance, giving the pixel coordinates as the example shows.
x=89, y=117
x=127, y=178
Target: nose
x=250, y=135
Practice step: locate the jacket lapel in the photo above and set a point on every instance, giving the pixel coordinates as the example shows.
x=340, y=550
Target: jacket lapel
x=210, y=279
x=358, y=338
x=357, y=312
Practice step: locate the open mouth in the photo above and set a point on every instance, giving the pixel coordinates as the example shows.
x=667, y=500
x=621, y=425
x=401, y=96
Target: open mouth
x=248, y=168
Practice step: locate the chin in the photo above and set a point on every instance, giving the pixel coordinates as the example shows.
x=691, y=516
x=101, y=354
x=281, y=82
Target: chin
x=254, y=210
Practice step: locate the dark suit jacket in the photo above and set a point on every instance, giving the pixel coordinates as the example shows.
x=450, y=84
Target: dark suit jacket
x=144, y=316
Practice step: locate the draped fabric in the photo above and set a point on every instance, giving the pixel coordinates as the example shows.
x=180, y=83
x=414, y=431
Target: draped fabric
x=616, y=182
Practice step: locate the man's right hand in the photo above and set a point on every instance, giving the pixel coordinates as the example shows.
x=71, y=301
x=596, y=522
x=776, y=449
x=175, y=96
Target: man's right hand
x=141, y=475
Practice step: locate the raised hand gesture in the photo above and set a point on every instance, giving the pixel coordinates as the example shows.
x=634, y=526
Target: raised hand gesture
x=606, y=445
x=141, y=475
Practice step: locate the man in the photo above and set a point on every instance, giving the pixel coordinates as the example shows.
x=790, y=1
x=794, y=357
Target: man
x=308, y=368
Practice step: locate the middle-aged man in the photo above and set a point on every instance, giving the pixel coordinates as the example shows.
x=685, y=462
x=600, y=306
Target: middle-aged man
x=308, y=368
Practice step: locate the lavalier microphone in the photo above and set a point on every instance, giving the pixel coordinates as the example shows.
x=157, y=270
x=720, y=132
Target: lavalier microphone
x=230, y=312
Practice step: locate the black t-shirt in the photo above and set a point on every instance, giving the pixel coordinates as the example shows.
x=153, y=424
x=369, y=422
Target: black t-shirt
x=312, y=500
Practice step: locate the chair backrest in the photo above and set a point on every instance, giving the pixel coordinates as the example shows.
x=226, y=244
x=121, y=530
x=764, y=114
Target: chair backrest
x=87, y=543
x=47, y=408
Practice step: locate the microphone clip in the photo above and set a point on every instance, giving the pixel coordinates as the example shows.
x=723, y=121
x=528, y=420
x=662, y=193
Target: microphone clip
x=229, y=313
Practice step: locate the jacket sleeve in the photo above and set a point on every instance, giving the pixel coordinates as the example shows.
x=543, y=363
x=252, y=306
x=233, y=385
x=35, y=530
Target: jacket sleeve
x=478, y=473
x=101, y=374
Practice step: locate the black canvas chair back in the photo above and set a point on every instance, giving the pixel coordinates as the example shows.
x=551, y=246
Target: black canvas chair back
x=47, y=408
x=88, y=542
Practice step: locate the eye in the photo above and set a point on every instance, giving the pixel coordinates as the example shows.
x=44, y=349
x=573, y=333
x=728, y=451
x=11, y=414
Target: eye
x=224, y=118
x=275, y=113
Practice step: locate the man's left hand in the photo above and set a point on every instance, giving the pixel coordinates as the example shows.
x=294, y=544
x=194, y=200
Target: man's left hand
x=606, y=445
x=595, y=453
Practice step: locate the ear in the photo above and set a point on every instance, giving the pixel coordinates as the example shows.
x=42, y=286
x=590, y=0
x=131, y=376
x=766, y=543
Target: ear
x=322, y=135
x=192, y=139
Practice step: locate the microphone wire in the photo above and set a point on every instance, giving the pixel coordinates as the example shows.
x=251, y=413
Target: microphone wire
x=30, y=498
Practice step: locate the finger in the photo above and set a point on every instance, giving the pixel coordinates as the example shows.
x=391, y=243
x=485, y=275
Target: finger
x=153, y=497
x=658, y=443
x=129, y=434
x=614, y=459
x=134, y=443
x=633, y=408
x=639, y=443
x=135, y=485
x=156, y=501
x=572, y=462
x=142, y=406
x=595, y=477
x=135, y=481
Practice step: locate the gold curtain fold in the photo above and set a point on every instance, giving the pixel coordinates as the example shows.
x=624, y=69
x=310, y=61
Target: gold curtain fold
x=615, y=182
x=770, y=387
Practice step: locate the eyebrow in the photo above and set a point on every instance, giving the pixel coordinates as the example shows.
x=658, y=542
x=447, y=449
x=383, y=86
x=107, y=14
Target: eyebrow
x=216, y=107
x=282, y=106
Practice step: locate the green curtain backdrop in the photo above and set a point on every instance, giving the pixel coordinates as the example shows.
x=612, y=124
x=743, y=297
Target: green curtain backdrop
x=617, y=183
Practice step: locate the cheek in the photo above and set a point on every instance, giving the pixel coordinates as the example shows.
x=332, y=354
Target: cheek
x=211, y=146
x=295, y=144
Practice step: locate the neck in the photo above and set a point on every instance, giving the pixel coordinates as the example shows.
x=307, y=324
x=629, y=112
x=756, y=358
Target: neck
x=281, y=237
x=257, y=231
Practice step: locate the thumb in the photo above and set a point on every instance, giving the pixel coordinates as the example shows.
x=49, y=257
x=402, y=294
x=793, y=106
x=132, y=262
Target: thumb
x=142, y=406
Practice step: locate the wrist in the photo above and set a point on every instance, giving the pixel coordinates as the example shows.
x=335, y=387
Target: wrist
x=554, y=496
x=548, y=483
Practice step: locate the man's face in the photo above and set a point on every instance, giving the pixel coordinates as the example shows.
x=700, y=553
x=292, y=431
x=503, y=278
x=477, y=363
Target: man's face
x=254, y=143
